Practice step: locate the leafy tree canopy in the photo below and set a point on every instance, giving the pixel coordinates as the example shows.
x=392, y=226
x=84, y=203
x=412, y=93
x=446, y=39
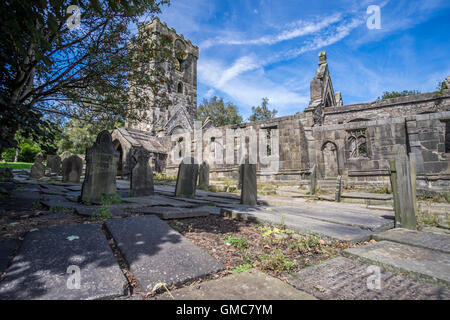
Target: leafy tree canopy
x=49, y=68
x=396, y=94
x=220, y=113
x=262, y=112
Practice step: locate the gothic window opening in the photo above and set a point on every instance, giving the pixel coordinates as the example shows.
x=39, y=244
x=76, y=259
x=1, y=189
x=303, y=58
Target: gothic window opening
x=357, y=144
x=180, y=144
x=180, y=87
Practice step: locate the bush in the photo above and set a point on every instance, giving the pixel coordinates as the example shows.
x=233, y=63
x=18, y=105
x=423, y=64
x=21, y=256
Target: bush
x=8, y=155
x=28, y=152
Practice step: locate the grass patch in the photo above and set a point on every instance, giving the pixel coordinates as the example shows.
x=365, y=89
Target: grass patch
x=239, y=243
x=161, y=178
x=16, y=165
x=241, y=268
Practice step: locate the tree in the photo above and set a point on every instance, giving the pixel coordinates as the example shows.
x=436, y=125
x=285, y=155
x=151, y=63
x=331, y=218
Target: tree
x=396, y=94
x=50, y=67
x=220, y=113
x=262, y=112
x=79, y=135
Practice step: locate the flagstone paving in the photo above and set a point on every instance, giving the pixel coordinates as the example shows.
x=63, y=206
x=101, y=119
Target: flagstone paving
x=428, y=240
x=346, y=279
x=301, y=223
x=167, y=213
x=7, y=248
x=39, y=270
x=248, y=285
x=157, y=253
x=416, y=262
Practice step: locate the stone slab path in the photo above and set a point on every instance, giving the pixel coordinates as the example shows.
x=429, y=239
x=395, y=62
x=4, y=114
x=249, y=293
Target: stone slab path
x=416, y=262
x=346, y=279
x=167, y=213
x=7, y=248
x=248, y=285
x=39, y=270
x=300, y=223
x=428, y=240
x=157, y=253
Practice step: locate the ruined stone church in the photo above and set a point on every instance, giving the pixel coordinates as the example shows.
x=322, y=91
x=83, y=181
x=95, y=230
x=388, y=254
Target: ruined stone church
x=353, y=141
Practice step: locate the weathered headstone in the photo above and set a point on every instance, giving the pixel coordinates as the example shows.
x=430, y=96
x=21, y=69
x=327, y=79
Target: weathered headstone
x=38, y=168
x=142, y=175
x=72, y=168
x=338, y=188
x=187, y=179
x=249, y=185
x=203, y=175
x=313, y=183
x=101, y=169
x=54, y=164
x=403, y=189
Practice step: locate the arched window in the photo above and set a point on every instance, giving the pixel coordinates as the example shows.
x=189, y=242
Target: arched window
x=180, y=87
x=357, y=144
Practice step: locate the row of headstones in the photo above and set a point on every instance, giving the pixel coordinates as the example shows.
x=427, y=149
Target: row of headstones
x=189, y=172
x=71, y=167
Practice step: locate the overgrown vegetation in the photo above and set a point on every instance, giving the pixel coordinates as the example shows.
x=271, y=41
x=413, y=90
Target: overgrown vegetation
x=161, y=178
x=396, y=94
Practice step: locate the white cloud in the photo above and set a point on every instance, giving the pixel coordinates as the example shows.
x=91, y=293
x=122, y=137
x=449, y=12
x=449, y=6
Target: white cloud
x=293, y=30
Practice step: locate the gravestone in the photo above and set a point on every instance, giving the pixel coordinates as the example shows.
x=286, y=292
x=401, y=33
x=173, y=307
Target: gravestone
x=203, y=176
x=338, y=189
x=101, y=169
x=313, y=183
x=403, y=189
x=54, y=164
x=72, y=168
x=38, y=169
x=187, y=179
x=249, y=185
x=142, y=175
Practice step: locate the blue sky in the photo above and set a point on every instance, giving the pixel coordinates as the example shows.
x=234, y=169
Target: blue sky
x=264, y=48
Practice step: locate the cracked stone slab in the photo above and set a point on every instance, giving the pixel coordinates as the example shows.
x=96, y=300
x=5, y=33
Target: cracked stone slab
x=157, y=253
x=346, y=279
x=300, y=223
x=416, y=262
x=7, y=248
x=55, y=203
x=39, y=269
x=248, y=285
x=428, y=240
x=167, y=213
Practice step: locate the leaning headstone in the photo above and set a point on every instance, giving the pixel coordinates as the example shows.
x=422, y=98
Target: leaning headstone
x=101, y=169
x=54, y=164
x=313, y=183
x=187, y=179
x=249, y=185
x=72, y=168
x=38, y=168
x=403, y=189
x=338, y=189
x=203, y=175
x=142, y=175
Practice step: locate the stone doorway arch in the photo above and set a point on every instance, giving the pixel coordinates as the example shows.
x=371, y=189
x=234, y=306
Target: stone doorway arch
x=330, y=160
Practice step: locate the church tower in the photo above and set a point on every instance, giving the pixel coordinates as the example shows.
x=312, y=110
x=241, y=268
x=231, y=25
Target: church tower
x=181, y=87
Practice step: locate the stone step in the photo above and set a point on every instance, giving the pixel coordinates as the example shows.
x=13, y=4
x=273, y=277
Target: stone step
x=248, y=285
x=347, y=279
x=428, y=240
x=39, y=271
x=420, y=263
x=156, y=253
x=300, y=223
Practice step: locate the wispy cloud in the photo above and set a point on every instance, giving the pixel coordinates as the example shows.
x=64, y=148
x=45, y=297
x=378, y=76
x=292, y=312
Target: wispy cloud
x=294, y=30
